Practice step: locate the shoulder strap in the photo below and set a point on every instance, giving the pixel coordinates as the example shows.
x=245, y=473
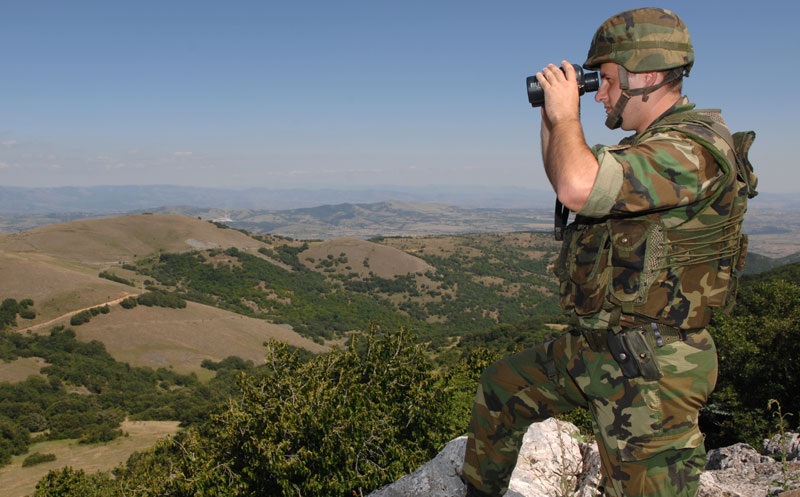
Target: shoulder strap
x=742, y=141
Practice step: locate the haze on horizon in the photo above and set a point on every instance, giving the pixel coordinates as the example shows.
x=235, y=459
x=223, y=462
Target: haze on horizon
x=355, y=93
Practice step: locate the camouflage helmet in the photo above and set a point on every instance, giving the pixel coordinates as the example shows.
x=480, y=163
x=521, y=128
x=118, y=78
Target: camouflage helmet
x=642, y=40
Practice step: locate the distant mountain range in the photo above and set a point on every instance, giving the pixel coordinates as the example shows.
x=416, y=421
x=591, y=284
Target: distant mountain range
x=121, y=199
x=391, y=218
x=94, y=200
x=773, y=220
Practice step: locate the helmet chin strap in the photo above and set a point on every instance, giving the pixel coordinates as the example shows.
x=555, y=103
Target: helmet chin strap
x=614, y=119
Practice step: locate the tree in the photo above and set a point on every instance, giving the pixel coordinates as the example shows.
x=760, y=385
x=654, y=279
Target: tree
x=13, y=440
x=363, y=416
x=758, y=347
x=69, y=482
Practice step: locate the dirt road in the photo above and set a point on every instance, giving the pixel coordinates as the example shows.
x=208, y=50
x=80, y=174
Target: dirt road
x=72, y=313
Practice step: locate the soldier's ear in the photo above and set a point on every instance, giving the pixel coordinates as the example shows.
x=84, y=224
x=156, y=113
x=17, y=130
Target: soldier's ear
x=651, y=78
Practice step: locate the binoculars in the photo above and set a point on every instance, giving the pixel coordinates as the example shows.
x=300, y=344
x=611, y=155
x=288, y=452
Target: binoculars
x=586, y=82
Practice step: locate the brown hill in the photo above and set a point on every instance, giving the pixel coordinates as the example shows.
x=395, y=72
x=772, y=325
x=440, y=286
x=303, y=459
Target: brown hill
x=351, y=255
x=57, y=266
x=125, y=238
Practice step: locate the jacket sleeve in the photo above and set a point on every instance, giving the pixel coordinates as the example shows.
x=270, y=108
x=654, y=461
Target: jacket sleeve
x=663, y=171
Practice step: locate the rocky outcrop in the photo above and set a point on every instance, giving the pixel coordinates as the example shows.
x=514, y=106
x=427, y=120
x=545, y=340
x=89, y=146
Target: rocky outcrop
x=739, y=471
x=554, y=461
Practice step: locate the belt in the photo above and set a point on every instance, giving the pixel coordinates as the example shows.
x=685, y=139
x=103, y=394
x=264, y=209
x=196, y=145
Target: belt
x=659, y=334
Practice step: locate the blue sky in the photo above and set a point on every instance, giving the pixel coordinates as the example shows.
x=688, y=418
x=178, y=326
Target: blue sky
x=344, y=94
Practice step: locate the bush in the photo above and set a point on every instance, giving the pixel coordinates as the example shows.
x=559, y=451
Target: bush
x=99, y=434
x=129, y=303
x=69, y=482
x=113, y=277
x=8, y=313
x=13, y=440
x=80, y=318
x=161, y=299
x=363, y=417
x=37, y=458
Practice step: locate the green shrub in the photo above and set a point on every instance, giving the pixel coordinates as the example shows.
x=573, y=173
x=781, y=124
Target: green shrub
x=80, y=318
x=99, y=434
x=161, y=299
x=362, y=417
x=8, y=313
x=13, y=440
x=113, y=277
x=37, y=458
x=129, y=303
x=76, y=483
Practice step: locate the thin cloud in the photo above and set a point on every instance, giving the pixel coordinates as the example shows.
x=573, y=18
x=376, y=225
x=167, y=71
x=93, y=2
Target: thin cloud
x=9, y=143
x=327, y=172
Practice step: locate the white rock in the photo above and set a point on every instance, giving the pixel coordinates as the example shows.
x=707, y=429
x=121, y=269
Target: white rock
x=551, y=458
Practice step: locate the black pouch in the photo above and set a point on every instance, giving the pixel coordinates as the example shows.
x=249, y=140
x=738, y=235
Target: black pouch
x=634, y=353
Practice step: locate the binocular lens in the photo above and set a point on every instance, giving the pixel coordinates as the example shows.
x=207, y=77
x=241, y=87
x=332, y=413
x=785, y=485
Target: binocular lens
x=589, y=81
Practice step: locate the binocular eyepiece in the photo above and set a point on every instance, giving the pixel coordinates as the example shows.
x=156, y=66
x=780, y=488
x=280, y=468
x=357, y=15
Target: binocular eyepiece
x=586, y=82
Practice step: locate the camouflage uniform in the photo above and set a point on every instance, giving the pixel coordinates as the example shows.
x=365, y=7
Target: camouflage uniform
x=647, y=257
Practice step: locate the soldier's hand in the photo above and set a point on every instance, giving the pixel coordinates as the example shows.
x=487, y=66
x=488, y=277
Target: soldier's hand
x=561, y=97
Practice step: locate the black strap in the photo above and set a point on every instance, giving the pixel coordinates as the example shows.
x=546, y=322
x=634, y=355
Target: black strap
x=551, y=370
x=560, y=222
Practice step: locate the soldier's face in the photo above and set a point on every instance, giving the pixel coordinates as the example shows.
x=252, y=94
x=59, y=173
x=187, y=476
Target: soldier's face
x=609, y=92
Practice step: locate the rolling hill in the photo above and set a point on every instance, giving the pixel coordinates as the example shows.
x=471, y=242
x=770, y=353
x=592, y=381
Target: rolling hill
x=57, y=266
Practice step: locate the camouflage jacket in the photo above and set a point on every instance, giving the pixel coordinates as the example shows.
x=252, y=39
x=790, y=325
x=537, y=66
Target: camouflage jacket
x=660, y=235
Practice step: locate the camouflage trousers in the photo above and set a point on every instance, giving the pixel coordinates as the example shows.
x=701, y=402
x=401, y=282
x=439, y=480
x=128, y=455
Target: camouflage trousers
x=647, y=432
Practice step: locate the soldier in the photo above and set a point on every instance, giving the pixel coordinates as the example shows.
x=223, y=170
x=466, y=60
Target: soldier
x=654, y=246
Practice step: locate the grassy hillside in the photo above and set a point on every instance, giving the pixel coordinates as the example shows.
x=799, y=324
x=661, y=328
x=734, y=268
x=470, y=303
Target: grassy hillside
x=343, y=256
x=183, y=338
x=58, y=267
x=123, y=239
x=442, y=287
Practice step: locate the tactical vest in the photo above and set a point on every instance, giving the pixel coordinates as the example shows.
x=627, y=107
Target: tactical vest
x=644, y=269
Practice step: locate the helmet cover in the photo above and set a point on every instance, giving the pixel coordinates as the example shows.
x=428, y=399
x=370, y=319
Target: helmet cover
x=642, y=40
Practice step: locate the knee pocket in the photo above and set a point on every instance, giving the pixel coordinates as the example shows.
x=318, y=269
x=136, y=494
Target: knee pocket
x=645, y=422
x=647, y=445
x=669, y=473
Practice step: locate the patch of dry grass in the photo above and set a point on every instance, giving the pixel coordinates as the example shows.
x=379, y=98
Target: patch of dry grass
x=16, y=481
x=56, y=287
x=183, y=338
x=19, y=369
